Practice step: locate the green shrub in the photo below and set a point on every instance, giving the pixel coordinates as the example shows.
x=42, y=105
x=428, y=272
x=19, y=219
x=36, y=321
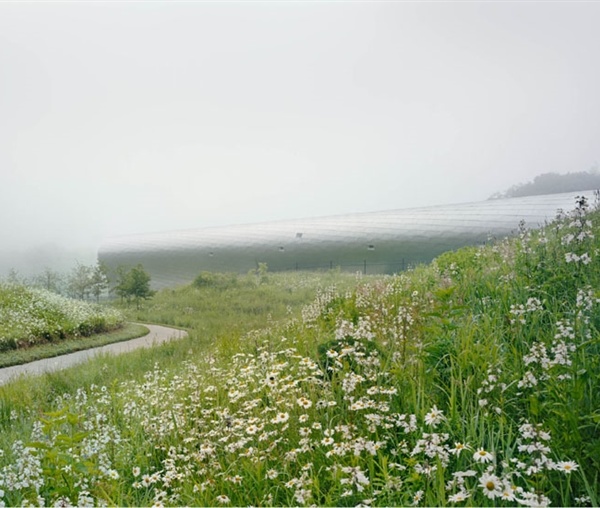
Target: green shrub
x=216, y=280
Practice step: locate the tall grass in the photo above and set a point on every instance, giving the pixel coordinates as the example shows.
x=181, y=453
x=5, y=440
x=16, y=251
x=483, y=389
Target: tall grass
x=472, y=381
x=221, y=307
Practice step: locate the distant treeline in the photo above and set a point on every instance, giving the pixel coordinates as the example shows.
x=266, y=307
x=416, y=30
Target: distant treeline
x=553, y=183
x=85, y=282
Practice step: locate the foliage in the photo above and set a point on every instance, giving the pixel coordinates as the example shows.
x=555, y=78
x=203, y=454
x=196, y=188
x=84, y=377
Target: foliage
x=475, y=380
x=261, y=273
x=554, y=183
x=88, y=280
x=99, y=279
x=216, y=280
x=133, y=284
x=50, y=280
x=80, y=281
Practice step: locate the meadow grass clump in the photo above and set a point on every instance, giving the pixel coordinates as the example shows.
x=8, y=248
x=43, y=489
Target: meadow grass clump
x=30, y=316
x=473, y=381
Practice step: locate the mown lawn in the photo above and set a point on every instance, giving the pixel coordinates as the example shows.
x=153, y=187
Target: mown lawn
x=57, y=348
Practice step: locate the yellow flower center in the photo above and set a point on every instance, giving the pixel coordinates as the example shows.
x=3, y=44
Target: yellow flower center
x=490, y=485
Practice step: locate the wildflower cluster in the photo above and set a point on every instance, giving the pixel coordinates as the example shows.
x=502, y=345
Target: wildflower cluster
x=500, y=480
x=576, y=229
x=520, y=311
x=32, y=315
x=69, y=455
x=491, y=391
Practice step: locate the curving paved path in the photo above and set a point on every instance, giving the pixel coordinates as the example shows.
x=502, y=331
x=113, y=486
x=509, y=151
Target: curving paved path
x=158, y=335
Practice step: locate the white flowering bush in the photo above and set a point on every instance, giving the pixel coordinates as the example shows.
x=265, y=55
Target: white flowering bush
x=30, y=315
x=474, y=381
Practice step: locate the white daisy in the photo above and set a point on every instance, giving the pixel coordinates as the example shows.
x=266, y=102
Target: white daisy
x=434, y=417
x=458, y=497
x=458, y=447
x=281, y=418
x=482, y=456
x=566, y=466
x=252, y=429
x=304, y=402
x=491, y=485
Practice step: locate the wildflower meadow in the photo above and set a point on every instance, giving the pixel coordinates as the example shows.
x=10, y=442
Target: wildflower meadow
x=472, y=381
x=30, y=316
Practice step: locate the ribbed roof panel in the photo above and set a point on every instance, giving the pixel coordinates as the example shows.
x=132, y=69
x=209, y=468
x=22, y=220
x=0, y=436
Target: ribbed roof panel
x=385, y=241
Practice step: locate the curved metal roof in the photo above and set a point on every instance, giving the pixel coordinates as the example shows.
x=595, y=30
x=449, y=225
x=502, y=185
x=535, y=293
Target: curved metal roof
x=375, y=242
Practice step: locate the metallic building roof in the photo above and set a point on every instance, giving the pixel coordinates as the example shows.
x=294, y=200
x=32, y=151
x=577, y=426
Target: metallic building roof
x=376, y=242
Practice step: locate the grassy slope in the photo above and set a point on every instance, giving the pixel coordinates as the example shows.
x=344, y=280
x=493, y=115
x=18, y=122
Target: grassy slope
x=230, y=305
x=476, y=377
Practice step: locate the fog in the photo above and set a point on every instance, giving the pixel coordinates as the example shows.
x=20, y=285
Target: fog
x=120, y=118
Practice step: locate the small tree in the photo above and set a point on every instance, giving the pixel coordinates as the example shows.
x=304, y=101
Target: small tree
x=14, y=277
x=261, y=273
x=133, y=284
x=99, y=279
x=50, y=280
x=120, y=287
x=80, y=281
x=140, y=285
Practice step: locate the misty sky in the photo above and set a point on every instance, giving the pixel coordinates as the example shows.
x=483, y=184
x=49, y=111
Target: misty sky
x=120, y=118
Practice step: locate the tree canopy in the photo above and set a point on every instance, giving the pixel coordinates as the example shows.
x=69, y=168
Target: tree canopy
x=554, y=183
x=84, y=280
x=133, y=284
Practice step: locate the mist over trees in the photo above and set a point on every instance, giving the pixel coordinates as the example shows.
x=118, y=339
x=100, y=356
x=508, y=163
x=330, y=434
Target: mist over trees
x=554, y=183
x=29, y=261
x=87, y=282
x=83, y=282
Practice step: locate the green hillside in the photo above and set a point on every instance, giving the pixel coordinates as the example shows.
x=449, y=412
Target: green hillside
x=474, y=381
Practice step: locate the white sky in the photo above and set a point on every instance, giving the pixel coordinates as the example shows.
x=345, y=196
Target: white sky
x=120, y=118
